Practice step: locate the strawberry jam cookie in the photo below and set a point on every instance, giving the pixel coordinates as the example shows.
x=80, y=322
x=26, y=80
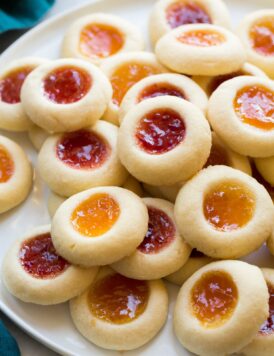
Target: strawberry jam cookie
x=37, y=136
x=224, y=212
x=169, y=14
x=162, y=251
x=201, y=49
x=75, y=161
x=98, y=36
x=65, y=95
x=162, y=85
x=164, y=140
x=99, y=226
x=35, y=273
x=119, y=313
x=241, y=112
x=265, y=166
x=12, y=115
x=15, y=174
x=257, y=34
x=124, y=70
x=214, y=305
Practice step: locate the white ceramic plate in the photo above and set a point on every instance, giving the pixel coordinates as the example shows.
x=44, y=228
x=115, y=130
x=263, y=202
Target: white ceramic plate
x=52, y=325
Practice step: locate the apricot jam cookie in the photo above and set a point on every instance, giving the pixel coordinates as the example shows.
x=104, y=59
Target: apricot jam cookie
x=265, y=166
x=37, y=136
x=201, y=49
x=53, y=203
x=119, y=313
x=15, y=174
x=164, y=140
x=161, y=85
x=12, y=77
x=65, y=95
x=98, y=36
x=162, y=250
x=214, y=305
x=169, y=14
x=263, y=342
x=72, y=162
x=35, y=273
x=257, y=34
x=124, y=70
x=224, y=212
x=241, y=112
x=99, y=226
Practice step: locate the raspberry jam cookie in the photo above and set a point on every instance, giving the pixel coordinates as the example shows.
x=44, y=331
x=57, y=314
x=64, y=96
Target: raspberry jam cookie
x=98, y=36
x=214, y=305
x=162, y=85
x=15, y=175
x=162, y=251
x=75, y=161
x=65, y=95
x=12, y=115
x=164, y=140
x=54, y=201
x=37, y=136
x=201, y=50
x=124, y=70
x=224, y=212
x=169, y=14
x=119, y=313
x=99, y=226
x=257, y=34
x=241, y=112
x=265, y=166
x=35, y=273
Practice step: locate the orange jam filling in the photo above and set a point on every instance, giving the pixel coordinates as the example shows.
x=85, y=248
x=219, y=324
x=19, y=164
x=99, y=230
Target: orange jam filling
x=6, y=165
x=268, y=326
x=218, y=156
x=262, y=37
x=117, y=299
x=126, y=76
x=100, y=40
x=220, y=79
x=183, y=13
x=95, y=215
x=255, y=106
x=228, y=207
x=161, y=89
x=213, y=298
x=202, y=38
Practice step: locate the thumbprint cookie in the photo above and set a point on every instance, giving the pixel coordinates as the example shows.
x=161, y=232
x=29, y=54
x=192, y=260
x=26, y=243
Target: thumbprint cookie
x=265, y=166
x=241, y=112
x=162, y=85
x=201, y=49
x=124, y=70
x=257, y=34
x=99, y=226
x=224, y=212
x=220, y=308
x=164, y=140
x=162, y=250
x=37, y=136
x=75, y=161
x=169, y=14
x=54, y=201
x=263, y=342
x=98, y=36
x=65, y=95
x=15, y=174
x=120, y=313
x=12, y=77
x=34, y=272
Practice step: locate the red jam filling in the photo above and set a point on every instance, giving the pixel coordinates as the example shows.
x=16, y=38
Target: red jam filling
x=268, y=325
x=39, y=258
x=262, y=37
x=160, y=89
x=218, y=156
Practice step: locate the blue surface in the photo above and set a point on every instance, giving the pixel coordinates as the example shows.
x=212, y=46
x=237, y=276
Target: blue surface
x=8, y=346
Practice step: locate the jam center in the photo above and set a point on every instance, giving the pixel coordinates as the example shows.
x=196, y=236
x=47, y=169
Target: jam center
x=183, y=13
x=214, y=298
x=6, y=165
x=39, y=258
x=67, y=85
x=100, y=40
x=228, y=207
x=95, y=215
x=117, y=299
x=160, y=233
x=160, y=131
x=82, y=149
x=255, y=106
x=268, y=325
x=218, y=156
x=10, y=85
x=160, y=89
x=262, y=37
x=202, y=38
